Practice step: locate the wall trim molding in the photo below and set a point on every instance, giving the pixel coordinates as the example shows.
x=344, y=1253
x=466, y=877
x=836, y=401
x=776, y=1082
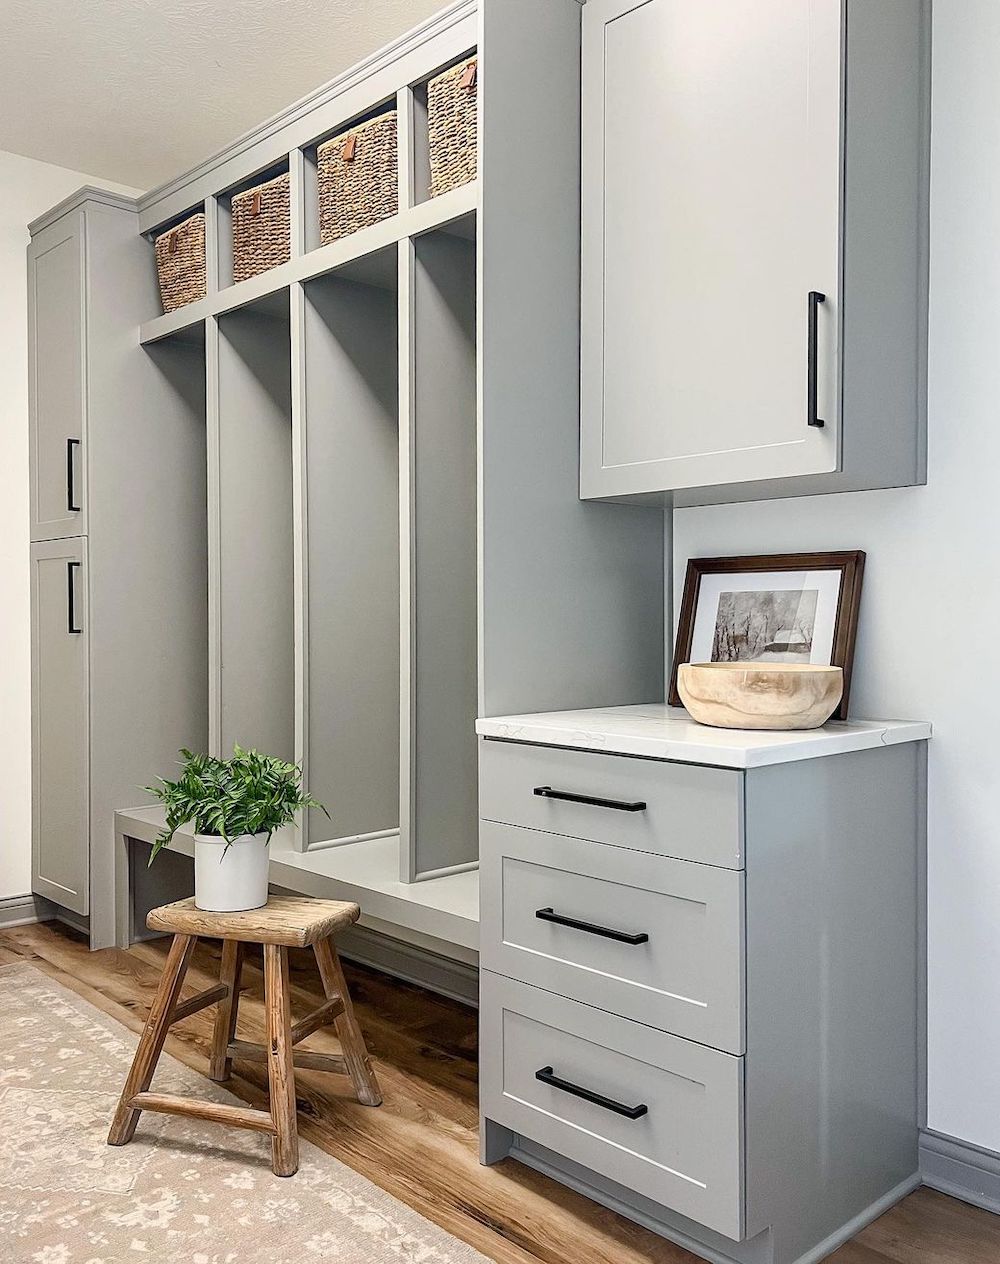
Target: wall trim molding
x=413, y=964
x=20, y=910
x=961, y=1169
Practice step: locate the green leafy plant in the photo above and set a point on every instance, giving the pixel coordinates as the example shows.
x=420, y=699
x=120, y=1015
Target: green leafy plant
x=248, y=793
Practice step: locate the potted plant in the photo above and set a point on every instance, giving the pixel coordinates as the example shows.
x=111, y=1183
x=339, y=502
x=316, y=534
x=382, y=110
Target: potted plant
x=234, y=806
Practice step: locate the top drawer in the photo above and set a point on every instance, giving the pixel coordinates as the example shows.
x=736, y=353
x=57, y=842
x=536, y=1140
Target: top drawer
x=681, y=810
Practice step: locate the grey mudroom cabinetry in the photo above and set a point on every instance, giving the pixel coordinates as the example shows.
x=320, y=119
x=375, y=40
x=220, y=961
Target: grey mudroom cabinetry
x=701, y=971
x=754, y=247
x=118, y=571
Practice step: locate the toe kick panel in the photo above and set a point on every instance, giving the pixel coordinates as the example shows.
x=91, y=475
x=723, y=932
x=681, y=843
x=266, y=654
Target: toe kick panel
x=660, y=1115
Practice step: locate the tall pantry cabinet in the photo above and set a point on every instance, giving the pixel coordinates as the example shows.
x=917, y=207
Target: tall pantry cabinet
x=118, y=570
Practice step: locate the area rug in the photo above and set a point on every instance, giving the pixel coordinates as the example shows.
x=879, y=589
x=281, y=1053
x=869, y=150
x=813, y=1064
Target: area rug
x=183, y=1192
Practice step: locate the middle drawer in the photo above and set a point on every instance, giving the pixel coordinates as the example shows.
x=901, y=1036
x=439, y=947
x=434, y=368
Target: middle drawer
x=650, y=938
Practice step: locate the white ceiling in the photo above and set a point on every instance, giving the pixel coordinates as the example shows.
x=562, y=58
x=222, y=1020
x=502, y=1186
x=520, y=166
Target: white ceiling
x=139, y=90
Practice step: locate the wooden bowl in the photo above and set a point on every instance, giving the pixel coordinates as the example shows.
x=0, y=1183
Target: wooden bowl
x=760, y=695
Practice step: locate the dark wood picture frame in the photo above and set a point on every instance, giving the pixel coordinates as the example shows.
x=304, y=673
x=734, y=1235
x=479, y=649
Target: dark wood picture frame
x=852, y=568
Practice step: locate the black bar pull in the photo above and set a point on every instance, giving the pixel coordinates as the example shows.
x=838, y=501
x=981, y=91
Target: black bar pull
x=71, y=569
x=622, y=936
x=567, y=796
x=71, y=504
x=588, y=1095
x=812, y=387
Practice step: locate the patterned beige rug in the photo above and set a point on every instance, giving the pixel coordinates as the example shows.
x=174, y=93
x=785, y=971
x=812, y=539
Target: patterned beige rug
x=182, y=1192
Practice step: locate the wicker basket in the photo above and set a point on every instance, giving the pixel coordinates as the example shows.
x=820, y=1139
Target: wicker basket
x=261, y=228
x=180, y=263
x=357, y=177
x=451, y=123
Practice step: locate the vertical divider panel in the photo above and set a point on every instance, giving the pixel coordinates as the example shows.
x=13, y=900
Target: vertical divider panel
x=300, y=531
x=406, y=147
x=407, y=643
x=298, y=194
x=214, y=536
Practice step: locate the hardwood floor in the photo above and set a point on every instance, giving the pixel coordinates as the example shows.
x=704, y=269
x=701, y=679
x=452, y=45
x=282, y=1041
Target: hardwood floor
x=422, y=1144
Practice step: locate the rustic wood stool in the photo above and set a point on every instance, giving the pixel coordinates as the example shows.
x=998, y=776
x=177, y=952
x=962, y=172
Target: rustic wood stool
x=283, y=923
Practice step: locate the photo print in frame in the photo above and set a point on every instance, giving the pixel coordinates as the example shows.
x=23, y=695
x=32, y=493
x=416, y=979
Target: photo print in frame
x=771, y=608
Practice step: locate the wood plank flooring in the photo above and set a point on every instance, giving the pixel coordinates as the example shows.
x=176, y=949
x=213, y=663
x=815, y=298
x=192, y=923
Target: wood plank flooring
x=422, y=1144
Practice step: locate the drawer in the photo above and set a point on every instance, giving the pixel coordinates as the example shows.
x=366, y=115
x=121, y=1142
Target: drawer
x=685, y=977
x=681, y=810
x=560, y=1073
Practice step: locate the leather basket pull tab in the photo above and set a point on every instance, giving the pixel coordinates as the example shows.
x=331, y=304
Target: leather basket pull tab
x=469, y=75
x=173, y=244
x=347, y=153
x=255, y=203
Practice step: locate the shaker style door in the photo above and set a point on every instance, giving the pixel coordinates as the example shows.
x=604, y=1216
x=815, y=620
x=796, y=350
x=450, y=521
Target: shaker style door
x=711, y=192
x=60, y=744
x=56, y=380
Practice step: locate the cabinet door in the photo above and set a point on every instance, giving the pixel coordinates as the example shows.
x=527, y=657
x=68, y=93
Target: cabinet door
x=711, y=189
x=57, y=379
x=60, y=745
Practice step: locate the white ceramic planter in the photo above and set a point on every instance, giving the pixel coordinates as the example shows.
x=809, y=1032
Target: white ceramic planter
x=226, y=881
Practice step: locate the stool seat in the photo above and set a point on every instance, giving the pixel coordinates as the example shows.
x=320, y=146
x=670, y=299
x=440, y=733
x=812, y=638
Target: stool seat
x=284, y=922
x=292, y=921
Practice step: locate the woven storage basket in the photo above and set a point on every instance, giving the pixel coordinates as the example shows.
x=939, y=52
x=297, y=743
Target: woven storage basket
x=357, y=177
x=451, y=124
x=180, y=263
x=261, y=228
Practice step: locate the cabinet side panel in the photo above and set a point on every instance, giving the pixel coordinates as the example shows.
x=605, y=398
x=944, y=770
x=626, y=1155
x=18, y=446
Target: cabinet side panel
x=832, y=933
x=571, y=593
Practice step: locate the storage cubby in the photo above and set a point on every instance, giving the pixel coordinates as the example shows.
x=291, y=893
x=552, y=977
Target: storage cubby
x=252, y=622
x=351, y=484
x=224, y=220
x=439, y=776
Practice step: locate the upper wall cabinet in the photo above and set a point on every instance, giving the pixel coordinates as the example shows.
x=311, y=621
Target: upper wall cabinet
x=56, y=260
x=754, y=228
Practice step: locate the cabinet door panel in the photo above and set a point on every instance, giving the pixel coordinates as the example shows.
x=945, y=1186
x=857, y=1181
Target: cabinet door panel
x=57, y=380
x=711, y=210
x=60, y=746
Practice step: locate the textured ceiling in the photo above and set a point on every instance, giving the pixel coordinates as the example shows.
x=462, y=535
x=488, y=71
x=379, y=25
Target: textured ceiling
x=139, y=90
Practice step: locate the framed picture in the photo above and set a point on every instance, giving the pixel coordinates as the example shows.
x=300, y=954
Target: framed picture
x=775, y=608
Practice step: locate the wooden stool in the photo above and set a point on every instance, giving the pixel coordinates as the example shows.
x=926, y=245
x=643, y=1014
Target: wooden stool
x=283, y=923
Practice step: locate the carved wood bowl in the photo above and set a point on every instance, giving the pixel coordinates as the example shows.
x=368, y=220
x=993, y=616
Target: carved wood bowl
x=760, y=695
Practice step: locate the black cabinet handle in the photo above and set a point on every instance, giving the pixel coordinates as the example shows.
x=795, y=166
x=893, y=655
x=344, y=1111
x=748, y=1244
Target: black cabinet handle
x=71, y=504
x=622, y=936
x=71, y=569
x=812, y=389
x=588, y=1095
x=567, y=796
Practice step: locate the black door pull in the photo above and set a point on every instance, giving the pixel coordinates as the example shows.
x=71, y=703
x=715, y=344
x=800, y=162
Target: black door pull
x=71, y=504
x=812, y=385
x=622, y=936
x=588, y=1095
x=567, y=796
x=71, y=569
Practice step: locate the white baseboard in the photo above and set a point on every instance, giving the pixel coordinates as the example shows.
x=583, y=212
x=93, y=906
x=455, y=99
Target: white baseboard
x=960, y=1169
x=20, y=910
x=411, y=963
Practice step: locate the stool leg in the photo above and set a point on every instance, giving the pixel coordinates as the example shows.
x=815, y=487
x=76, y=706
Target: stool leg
x=352, y=1040
x=280, y=1068
x=150, y=1045
x=221, y=1064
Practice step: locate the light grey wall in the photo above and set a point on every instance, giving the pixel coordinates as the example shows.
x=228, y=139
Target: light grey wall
x=926, y=644
x=27, y=188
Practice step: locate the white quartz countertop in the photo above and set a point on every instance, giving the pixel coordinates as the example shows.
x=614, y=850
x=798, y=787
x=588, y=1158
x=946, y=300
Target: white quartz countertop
x=657, y=731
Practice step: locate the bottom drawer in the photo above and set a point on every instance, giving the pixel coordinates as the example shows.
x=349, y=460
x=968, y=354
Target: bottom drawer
x=660, y=1115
